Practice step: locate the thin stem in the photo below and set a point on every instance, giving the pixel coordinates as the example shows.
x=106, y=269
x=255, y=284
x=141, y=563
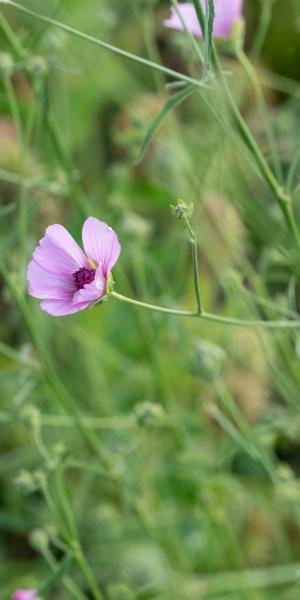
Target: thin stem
x=14, y=108
x=265, y=171
x=188, y=32
x=11, y=37
x=195, y=266
x=105, y=45
x=280, y=194
x=51, y=376
x=89, y=575
x=66, y=421
x=294, y=164
x=71, y=535
x=263, y=26
x=209, y=316
x=252, y=76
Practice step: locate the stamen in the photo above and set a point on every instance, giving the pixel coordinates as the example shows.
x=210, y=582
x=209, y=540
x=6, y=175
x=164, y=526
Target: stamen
x=83, y=276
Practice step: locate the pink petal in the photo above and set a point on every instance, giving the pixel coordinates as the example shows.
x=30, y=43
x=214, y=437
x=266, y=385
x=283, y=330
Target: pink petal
x=60, y=308
x=58, y=252
x=226, y=13
x=92, y=291
x=24, y=595
x=101, y=244
x=189, y=15
x=46, y=285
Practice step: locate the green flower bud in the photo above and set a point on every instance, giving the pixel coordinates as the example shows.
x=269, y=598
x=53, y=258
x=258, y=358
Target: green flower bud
x=148, y=414
x=207, y=360
x=39, y=540
x=37, y=66
x=182, y=210
x=27, y=482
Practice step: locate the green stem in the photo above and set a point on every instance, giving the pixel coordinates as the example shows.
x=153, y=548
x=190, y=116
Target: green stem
x=66, y=421
x=72, y=538
x=209, y=316
x=263, y=26
x=51, y=376
x=266, y=173
x=89, y=575
x=294, y=164
x=14, y=108
x=105, y=45
x=187, y=31
x=251, y=74
x=280, y=194
x=195, y=266
x=11, y=37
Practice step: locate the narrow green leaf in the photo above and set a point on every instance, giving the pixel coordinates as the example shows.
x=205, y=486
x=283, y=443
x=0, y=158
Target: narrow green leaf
x=171, y=103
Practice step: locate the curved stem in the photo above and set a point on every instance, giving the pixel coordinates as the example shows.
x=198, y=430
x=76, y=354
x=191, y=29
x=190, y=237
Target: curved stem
x=209, y=316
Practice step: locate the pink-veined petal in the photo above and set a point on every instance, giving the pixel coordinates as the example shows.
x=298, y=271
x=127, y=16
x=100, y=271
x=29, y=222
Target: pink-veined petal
x=92, y=291
x=58, y=252
x=61, y=308
x=101, y=244
x=46, y=285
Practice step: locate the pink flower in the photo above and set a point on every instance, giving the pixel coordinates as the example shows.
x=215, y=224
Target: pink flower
x=24, y=595
x=226, y=13
x=66, y=279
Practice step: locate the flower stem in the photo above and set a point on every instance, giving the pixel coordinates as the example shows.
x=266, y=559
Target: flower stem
x=253, y=79
x=105, y=45
x=209, y=316
x=195, y=266
x=282, y=197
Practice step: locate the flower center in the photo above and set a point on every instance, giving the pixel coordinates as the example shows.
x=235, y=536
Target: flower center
x=83, y=276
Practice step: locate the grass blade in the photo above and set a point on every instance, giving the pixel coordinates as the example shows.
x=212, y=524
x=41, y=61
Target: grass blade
x=171, y=103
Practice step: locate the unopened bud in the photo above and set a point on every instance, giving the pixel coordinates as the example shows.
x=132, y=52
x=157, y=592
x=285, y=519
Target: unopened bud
x=37, y=66
x=148, y=414
x=182, y=210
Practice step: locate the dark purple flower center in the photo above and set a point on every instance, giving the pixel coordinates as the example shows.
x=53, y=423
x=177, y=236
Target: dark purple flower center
x=83, y=276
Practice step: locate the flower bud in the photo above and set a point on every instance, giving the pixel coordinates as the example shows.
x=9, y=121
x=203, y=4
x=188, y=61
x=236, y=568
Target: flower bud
x=39, y=540
x=182, y=210
x=37, y=66
x=148, y=414
x=206, y=360
x=28, y=482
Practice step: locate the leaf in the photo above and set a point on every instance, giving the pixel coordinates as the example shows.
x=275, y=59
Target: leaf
x=173, y=101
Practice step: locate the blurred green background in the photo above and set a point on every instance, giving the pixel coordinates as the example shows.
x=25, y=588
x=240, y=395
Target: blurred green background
x=173, y=443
